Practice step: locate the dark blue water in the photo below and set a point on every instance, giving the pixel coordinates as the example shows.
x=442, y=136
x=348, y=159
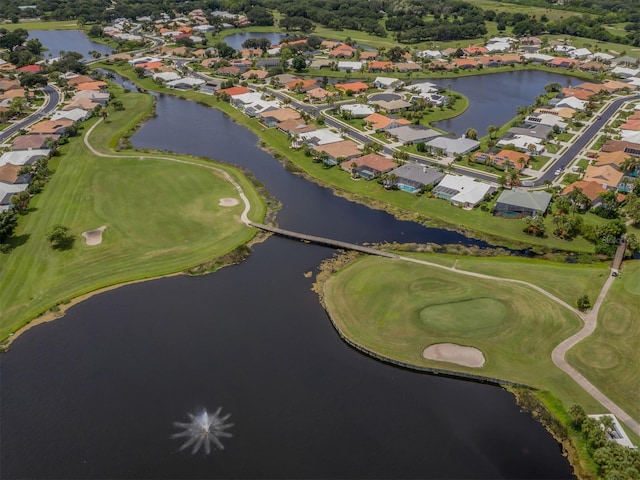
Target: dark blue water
x=237, y=39
x=67, y=41
x=495, y=98
x=94, y=394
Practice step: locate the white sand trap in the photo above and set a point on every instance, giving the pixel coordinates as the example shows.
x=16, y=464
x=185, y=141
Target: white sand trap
x=228, y=202
x=94, y=237
x=452, y=353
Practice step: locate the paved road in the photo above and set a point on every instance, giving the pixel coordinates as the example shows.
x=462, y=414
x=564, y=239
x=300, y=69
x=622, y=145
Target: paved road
x=584, y=138
x=51, y=102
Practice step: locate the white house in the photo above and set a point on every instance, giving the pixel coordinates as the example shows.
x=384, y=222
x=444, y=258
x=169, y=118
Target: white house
x=185, y=83
x=580, y=53
x=357, y=110
x=320, y=137
x=462, y=191
x=345, y=66
x=23, y=157
x=498, y=47
x=572, y=102
x=453, y=146
x=538, y=57
x=523, y=143
x=618, y=434
x=546, y=119
x=387, y=82
x=75, y=114
x=626, y=72
x=428, y=54
x=166, y=76
x=422, y=88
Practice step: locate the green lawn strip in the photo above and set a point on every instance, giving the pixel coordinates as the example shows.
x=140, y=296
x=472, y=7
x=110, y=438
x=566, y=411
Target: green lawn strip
x=38, y=25
x=610, y=356
x=566, y=281
x=396, y=309
x=162, y=217
x=433, y=211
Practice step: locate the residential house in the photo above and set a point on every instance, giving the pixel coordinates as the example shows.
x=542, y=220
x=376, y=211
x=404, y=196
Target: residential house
x=355, y=87
x=622, y=146
x=453, y=146
x=380, y=66
x=465, y=63
x=10, y=173
x=283, y=79
x=412, y=177
x=165, y=77
x=405, y=67
x=229, y=71
x=580, y=53
x=186, y=83
x=301, y=85
x=412, y=134
x=522, y=143
x=101, y=98
x=615, y=159
x=546, y=119
x=537, y=57
x=518, y=203
x=273, y=117
x=350, y=66
x=255, y=74
x=342, y=51
x=369, y=166
x=233, y=91
x=422, y=88
x=357, y=110
x=508, y=159
x=607, y=176
x=378, y=122
x=388, y=83
x=321, y=136
x=368, y=55
x=295, y=127
x=23, y=157
x=473, y=50
x=392, y=106
x=572, y=102
x=8, y=190
x=30, y=69
x=592, y=67
x=541, y=132
x=319, y=94
x=429, y=54
x=591, y=189
x=58, y=127
x=33, y=141
x=337, y=151
x=562, y=62
x=320, y=63
x=76, y=115
x=462, y=191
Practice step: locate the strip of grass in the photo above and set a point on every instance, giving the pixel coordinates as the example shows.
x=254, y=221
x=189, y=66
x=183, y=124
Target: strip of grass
x=162, y=217
x=610, y=356
x=396, y=309
x=57, y=25
x=566, y=281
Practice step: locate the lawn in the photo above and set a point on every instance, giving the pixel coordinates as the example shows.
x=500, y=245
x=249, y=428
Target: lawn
x=396, y=309
x=566, y=281
x=162, y=217
x=37, y=25
x=610, y=356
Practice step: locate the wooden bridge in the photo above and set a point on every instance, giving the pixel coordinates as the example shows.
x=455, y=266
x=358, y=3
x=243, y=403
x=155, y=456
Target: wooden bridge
x=617, y=260
x=327, y=242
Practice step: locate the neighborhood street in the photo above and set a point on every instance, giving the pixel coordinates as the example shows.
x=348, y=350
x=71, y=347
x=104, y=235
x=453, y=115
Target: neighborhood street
x=52, y=100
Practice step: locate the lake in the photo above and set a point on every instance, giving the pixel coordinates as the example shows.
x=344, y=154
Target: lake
x=235, y=40
x=67, y=41
x=95, y=394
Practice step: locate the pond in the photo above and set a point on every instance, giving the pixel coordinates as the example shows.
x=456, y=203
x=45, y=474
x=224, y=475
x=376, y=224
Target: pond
x=236, y=40
x=67, y=41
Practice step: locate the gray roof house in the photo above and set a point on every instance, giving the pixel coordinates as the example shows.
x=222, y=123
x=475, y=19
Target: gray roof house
x=411, y=177
x=453, y=146
x=414, y=134
x=518, y=203
x=7, y=191
x=536, y=131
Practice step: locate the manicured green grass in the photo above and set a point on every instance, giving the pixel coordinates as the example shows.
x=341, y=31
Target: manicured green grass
x=498, y=6
x=566, y=281
x=610, y=356
x=396, y=309
x=161, y=216
x=58, y=25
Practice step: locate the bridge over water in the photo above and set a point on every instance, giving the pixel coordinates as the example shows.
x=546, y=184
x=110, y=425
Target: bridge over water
x=328, y=242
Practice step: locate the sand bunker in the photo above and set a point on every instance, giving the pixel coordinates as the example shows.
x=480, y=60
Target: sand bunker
x=452, y=353
x=94, y=237
x=228, y=202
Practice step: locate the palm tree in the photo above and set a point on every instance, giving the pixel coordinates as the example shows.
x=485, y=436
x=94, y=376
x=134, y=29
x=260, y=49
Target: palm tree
x=492, y=129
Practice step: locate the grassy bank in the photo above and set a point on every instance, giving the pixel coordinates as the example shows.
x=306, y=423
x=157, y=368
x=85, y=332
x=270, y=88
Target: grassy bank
x=396, y=309
x=39, y=25
x=162, y=217
x=610, y=356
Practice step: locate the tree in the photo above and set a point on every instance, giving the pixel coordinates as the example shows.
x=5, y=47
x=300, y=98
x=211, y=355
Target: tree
x=299, y=63
x=8, y=224
x=95, y=31
x=492, y=129
x=471, y=133
x=60, y=237
x=583, y=303
x=578, y=415
x=20, y=201
x=632, y=208
x=535, y=226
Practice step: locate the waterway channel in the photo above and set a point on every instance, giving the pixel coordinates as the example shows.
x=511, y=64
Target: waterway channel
x=94, y=395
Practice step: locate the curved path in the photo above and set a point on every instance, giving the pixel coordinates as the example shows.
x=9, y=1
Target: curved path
x=51, y=102
x=244, y=218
